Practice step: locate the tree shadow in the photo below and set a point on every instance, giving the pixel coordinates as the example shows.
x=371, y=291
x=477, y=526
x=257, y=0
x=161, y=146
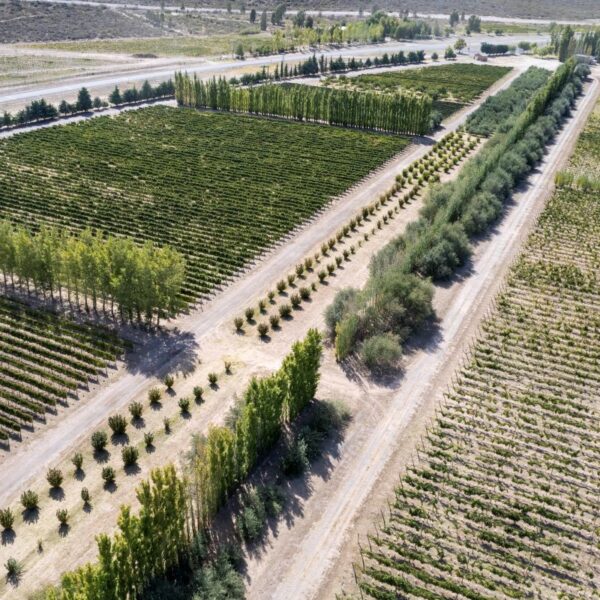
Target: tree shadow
x=119, y=439
x=8, y=537
x=110, y=487
x=63, y=530
x=173, y=346
x=79, y=474
x=265, y=339
x=132, y=469
x=101, y=456
x=139, y=423
x=31, y=515
x=57, y=494
x=156, y=406
x=87, y=507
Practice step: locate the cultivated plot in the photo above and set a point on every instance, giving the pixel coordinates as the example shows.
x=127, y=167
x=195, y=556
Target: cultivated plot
x=218, y=188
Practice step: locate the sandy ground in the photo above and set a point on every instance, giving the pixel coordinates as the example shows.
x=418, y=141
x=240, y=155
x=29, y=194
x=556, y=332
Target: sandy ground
x=313, y=559
x=201, y=344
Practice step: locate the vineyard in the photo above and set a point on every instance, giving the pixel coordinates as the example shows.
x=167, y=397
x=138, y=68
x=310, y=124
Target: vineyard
x=218, y=188
x=43, y=359
x=450, y=86
x=457, y=82
x=503, y=499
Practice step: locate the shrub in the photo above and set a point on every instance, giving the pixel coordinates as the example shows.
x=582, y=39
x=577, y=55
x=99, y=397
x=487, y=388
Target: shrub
x=54, y=477
x=291, y=278
x=330, y=268
x=345, y=336
x=7, y=519
x=198, y=393
x=304, y=293
x=308, y=263
x=346, y=254
x=299, y=270
x=338, y=260
x=324, y=249
x=154, y=396
x=213, y=378
x=167, y=425
x=227, y=365
x=322, y=275
x=343, y=303
x=381, y=352
x=249, y=314
x=29, y=500
x=118, y=424
x=85, y=496
x=99, y=440
x=108, y=475
x=62, y=514
x=285, y=310
x=184, y=405
x=274, y=321
x=263, y=329
x=136, y=409
x=261, y=306
x=77, y=461
x=238, y=322
x=281, y=285
x=295, y=300
x=295, y=461
x=14, y=568
x=169, y=380
x=148, y=439
x=130, y=455
x=271, y=296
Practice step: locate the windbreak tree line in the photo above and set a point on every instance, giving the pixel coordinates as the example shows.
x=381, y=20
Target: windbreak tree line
x=565, y=42
x=175, y=511
x=503, y=107
x=397, y=297
x=402, y=112
x=143, y=281
x=314, y=66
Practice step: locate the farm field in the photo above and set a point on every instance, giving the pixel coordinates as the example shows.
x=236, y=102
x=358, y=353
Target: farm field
x=501, y=497
x=219, y=188
x=450, y=86
x=44, y=359
x=458, y=82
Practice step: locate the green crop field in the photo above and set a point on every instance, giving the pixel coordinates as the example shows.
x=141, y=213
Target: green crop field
x=451, y=86
x=43, y=358
x=219, y=188
x=503, y=501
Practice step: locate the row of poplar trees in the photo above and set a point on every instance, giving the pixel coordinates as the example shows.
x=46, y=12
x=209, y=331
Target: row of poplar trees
x=174, y=509
x=144, y=281
x=401, y=112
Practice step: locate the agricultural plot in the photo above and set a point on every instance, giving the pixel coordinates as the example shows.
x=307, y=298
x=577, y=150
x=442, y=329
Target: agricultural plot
x=503, y=499
x=44, y=358
x=451, y=86
x=219, y=188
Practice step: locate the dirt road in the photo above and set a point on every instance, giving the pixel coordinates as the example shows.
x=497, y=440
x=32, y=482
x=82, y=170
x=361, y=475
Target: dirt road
x=312, y=559
x=29, y=460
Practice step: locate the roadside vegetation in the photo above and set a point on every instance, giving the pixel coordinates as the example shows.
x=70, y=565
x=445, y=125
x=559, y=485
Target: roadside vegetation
x=504, y=471
x=439, y=243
